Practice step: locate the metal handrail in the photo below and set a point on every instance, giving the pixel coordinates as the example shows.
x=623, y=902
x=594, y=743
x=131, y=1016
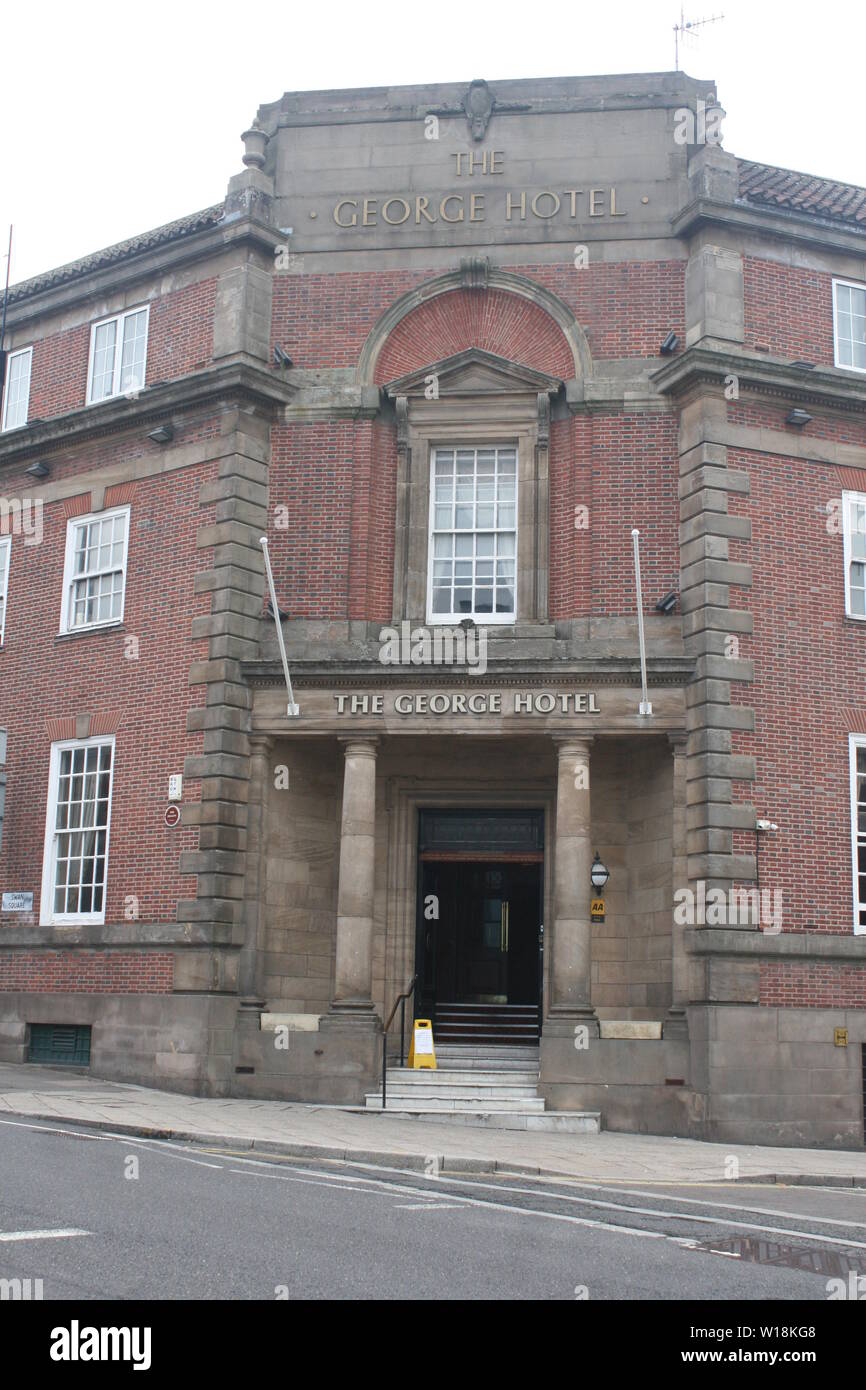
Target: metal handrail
x=401, y=1000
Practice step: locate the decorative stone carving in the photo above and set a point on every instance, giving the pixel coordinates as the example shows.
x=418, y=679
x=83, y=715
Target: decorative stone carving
x=543, y=439
x=475, y=272
x=255, y=141
x=478, y=103
x=401, y=406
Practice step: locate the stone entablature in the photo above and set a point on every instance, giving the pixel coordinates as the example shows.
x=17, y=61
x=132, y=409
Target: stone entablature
x=462, y=704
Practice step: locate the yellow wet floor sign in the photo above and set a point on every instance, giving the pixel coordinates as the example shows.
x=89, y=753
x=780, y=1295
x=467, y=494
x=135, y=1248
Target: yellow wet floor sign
x=421, y=1052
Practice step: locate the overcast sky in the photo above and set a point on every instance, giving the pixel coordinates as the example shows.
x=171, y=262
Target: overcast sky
x=117, y=118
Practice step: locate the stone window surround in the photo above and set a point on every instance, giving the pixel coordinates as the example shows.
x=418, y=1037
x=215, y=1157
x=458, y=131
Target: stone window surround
x=521, y=417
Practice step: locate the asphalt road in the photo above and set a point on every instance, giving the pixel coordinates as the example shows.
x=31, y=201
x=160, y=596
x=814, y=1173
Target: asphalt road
x=96, y=1217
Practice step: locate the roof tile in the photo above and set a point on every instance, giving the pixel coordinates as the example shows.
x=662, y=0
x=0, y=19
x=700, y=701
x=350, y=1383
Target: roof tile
x=807, y=193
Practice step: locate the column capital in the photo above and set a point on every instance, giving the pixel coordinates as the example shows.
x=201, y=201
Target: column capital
x=261, y=743
x=568, y=744
x=678, y=738
x=359, y=746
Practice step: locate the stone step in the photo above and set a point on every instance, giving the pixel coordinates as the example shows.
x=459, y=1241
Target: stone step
x=454, y=1104
x=485, y=1040
x=467, y=1092
x=505, y=1012
x=450, y=1057
x=550, y=1121
x=463, y=1076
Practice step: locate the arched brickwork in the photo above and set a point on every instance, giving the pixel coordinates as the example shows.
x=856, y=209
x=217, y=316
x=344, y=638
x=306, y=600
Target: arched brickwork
x=495, y=320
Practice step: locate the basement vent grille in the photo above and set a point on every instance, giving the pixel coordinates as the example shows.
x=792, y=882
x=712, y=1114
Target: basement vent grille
x=62, y=1044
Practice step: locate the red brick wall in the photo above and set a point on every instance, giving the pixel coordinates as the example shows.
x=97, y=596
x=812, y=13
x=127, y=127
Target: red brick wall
x=45, y=678
x=623, y=469
x=810, y=682
x=788, y=310
x=803, y=985
x=312, y=476
x=625, y=308
x=845, y=429
x=180, y=340
x=324, y=320
x=337, y=479
x=504, y=324
x=87, y=972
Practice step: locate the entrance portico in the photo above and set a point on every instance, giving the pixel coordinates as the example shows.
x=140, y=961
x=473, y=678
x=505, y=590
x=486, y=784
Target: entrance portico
x=347, y=867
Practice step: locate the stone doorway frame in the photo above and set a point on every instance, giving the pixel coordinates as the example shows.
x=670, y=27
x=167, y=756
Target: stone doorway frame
x=404, y=797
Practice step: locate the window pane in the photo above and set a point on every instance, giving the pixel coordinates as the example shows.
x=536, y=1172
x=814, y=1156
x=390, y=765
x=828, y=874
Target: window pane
x=104, y=340
x=96, y=593
x=481, y=527
x=851, y=326
x=17, y=390
x=133, y=353
x=79, y=842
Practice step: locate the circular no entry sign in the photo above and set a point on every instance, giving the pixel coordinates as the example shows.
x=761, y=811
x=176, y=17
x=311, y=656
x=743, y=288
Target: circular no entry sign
x=172, y=815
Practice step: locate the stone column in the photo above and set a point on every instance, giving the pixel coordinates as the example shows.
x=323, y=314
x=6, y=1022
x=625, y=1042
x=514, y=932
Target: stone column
x=251, y=964
x=353, y=984
x=676, y=1022
x=570, y=984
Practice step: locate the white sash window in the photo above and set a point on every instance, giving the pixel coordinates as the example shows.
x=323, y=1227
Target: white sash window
x=849, y=322
x=94, y=579
x=16, y=397
x=473, y=534
x=76, y=833
x=858, y=827
x=5, y=552
x=854, y=536
x=118, y=355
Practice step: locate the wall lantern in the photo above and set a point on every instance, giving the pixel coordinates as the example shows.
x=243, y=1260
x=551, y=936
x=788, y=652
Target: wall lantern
x=599, y=874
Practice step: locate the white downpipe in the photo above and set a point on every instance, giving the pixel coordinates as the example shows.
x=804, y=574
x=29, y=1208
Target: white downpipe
x=645, y=706
x=293, y=710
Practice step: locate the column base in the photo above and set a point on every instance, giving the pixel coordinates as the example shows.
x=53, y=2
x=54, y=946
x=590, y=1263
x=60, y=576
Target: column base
x=351, y=1014
x=562, y=1021
x=676, y=1023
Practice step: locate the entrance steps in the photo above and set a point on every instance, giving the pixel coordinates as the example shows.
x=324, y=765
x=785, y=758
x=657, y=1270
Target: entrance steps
x=494, y=1087
x=496, y=1025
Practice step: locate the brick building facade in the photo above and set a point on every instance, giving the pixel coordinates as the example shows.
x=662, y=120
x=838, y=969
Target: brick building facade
x=446, y=347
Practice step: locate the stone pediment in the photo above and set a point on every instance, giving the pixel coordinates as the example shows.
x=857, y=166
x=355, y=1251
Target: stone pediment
x=473, y=373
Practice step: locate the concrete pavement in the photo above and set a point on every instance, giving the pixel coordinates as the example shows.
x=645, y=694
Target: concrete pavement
x=331, y=1132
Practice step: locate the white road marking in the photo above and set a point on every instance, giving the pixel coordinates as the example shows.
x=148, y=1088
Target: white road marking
x=734, y=1206
x=151, y=1144
x=588, y=1201
x=428, y=1206
x=129, y=1139
x=42, y=1235
x=311, y=1178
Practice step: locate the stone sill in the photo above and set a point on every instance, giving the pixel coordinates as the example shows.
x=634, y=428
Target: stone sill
x=296, y=1023
x=727, y=941
x=128, y=935
x=631, y=1029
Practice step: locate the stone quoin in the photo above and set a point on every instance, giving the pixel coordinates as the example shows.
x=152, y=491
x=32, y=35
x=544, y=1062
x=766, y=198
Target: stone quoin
x=446, y=411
